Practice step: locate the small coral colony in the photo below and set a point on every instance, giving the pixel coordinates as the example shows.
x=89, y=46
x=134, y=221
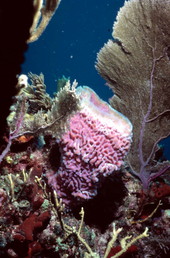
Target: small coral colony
x=84, y=178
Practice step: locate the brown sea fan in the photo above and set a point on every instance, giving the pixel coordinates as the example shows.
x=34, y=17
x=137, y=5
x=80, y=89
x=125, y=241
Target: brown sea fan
x=136, y=65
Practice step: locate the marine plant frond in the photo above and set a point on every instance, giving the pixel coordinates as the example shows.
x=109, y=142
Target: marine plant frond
x=43, y=12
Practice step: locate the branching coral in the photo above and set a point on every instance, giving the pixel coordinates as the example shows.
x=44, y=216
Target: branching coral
x=124, y=243
x=136, y=66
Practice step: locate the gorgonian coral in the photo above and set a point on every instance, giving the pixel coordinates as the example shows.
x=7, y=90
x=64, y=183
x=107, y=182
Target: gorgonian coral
x=136, y=66
x=43, y=12
x=93, y=147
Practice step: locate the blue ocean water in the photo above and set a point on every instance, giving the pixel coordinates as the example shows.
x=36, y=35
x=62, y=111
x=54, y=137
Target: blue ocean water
x=70, y=44
x=71, y=41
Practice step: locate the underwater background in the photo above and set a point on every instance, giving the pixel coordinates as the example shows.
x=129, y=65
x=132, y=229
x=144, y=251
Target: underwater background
x=70, y=44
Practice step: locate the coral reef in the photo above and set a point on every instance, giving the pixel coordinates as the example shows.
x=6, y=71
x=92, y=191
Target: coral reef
x=138, y=70
x=66, y=187
x=35, y=221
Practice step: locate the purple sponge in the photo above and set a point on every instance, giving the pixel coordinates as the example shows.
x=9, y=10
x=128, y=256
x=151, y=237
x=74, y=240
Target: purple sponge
x=94, y=146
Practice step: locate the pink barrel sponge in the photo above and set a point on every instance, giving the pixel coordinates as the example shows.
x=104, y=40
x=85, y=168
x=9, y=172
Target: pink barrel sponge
x=94, y=146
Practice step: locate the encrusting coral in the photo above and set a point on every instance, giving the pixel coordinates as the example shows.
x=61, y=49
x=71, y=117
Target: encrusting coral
x=136, y=66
